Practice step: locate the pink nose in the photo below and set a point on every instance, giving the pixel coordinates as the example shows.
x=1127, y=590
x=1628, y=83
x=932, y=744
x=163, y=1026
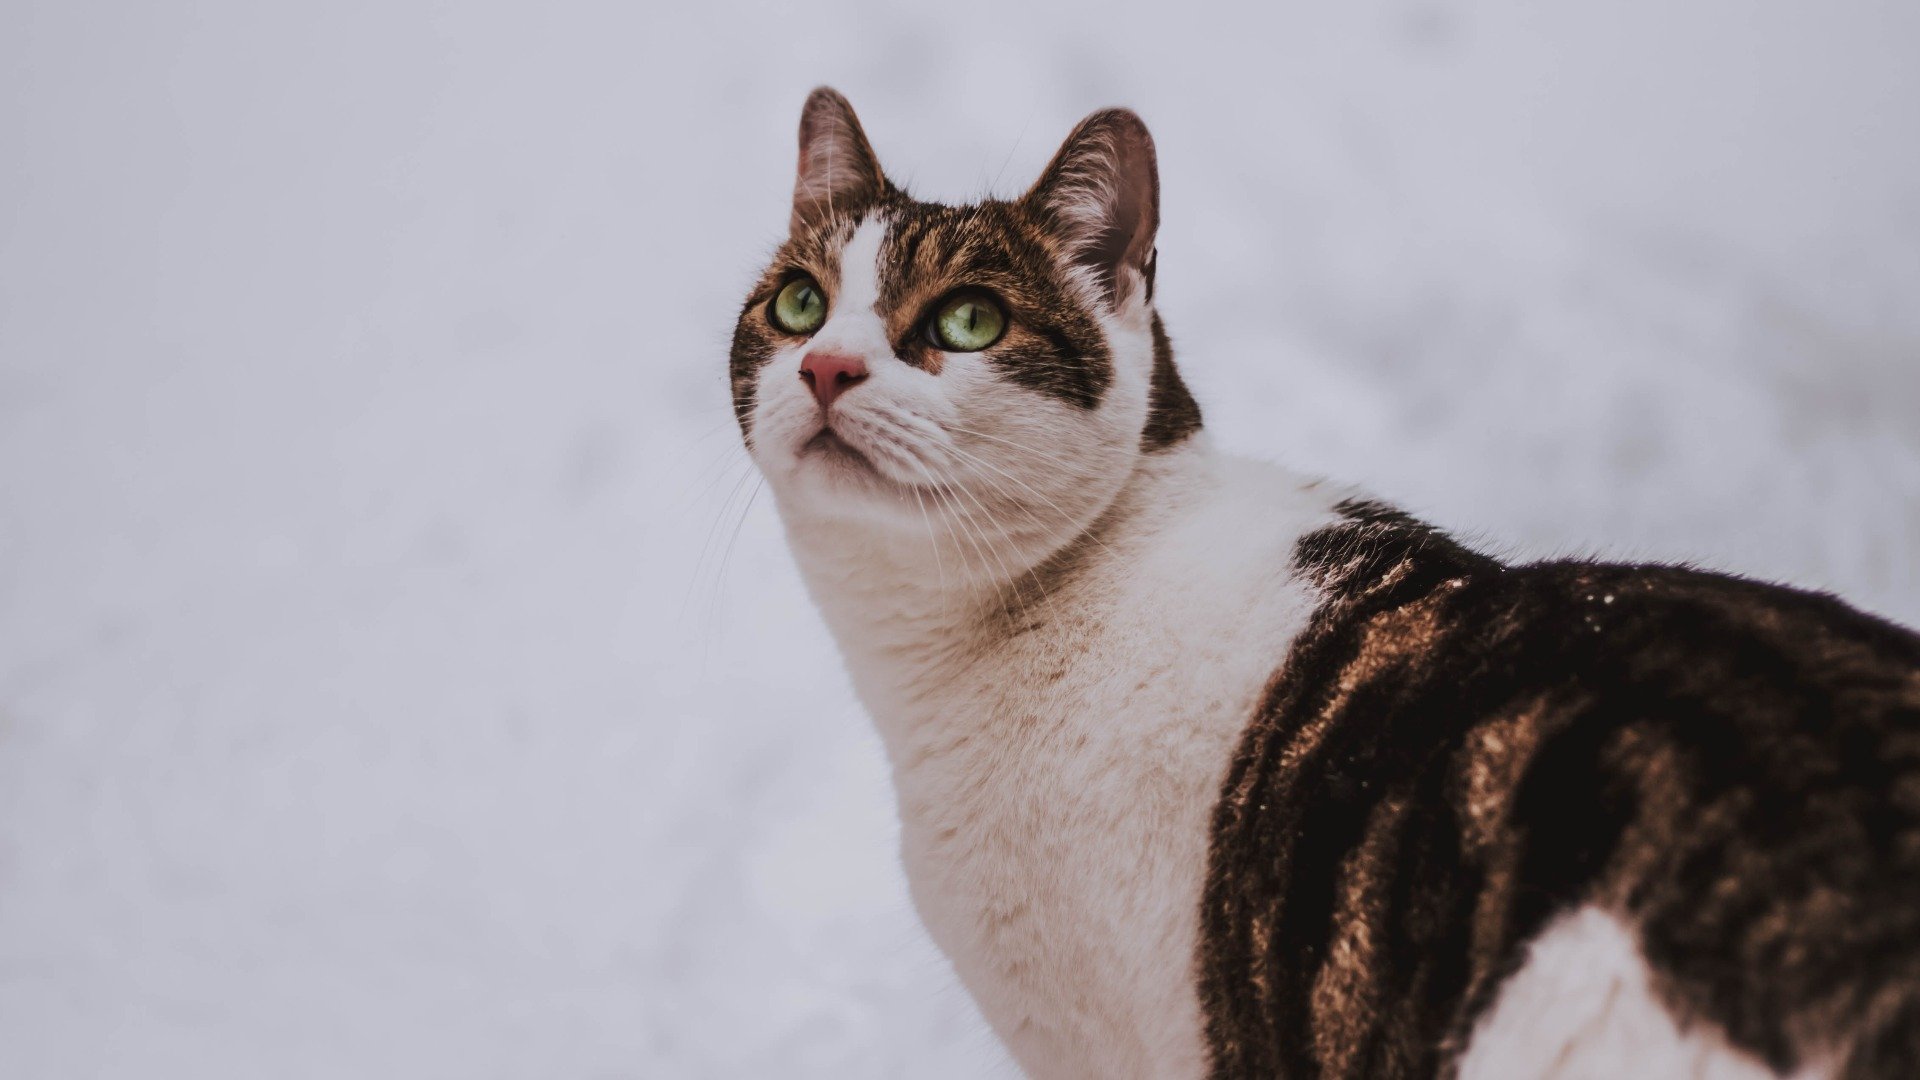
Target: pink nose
x=831, y=374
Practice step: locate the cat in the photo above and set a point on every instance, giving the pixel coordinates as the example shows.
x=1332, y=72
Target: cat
x=1206, y=768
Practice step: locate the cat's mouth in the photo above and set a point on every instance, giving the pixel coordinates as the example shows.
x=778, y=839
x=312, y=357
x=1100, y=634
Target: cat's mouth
x=871, y=465
x=828, y=446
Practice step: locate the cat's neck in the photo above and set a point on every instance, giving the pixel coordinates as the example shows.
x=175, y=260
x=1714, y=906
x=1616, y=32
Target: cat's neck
x=954, y=577
x=910, y=620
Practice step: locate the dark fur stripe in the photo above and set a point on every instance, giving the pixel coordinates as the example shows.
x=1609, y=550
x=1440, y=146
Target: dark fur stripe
x=1172, y=414
x=1076, y=372
x=1455, y=751
x=752, y=348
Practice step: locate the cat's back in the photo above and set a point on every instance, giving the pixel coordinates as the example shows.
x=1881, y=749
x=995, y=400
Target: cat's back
x=1513, y=820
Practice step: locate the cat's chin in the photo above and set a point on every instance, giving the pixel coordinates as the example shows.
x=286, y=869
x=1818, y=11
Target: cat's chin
x=837, y=475
x=832, y=452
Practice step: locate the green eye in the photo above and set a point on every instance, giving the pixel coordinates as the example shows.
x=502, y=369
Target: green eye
x=799, y=307
x=967, y=322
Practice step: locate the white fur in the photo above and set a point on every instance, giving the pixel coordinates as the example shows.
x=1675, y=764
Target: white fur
x=1583, y=1007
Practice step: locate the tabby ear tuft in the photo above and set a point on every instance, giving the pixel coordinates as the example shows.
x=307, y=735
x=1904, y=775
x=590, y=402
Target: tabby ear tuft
x=838, y=169
x=1101, y=194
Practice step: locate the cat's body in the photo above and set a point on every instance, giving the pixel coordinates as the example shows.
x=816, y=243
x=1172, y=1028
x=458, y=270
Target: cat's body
x=1203, y=766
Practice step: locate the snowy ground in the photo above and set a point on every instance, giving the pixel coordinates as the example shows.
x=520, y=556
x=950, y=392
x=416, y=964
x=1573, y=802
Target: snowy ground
x=390, y=682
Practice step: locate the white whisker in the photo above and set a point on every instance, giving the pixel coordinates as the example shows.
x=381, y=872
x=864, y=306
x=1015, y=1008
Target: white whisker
x=1065, y=518
x=1042, y=454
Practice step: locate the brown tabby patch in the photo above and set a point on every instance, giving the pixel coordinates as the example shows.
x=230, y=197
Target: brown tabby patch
x=1456, y=750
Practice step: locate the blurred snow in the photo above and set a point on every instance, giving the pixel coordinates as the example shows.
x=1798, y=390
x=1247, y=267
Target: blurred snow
x=397, y=676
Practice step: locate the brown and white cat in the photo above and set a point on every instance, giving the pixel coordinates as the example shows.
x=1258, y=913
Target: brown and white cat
x=1207, y=768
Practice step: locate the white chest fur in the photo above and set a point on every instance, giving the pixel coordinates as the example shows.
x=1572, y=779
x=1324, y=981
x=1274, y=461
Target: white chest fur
x=1056, y=787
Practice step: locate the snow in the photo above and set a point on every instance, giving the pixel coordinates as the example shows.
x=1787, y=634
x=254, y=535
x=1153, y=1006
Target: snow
x=397, y=678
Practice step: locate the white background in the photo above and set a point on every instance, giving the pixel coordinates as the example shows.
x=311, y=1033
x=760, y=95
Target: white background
x=391, y=683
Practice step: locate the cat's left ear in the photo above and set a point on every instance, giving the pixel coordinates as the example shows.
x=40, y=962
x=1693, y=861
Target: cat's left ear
x=1101, y=194
x=838, y=171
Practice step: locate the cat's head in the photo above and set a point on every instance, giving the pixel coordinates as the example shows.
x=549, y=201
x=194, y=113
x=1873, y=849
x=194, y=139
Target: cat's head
x=909, y=369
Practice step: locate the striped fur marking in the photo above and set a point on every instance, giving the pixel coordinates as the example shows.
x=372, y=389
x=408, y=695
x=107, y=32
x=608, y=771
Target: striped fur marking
x=1456, y=752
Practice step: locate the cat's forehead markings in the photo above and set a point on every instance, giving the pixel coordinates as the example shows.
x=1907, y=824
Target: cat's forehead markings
x=860, y=266
x=853, y=326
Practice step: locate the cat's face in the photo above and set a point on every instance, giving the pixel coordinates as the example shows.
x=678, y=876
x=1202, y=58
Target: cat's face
x=904, y=367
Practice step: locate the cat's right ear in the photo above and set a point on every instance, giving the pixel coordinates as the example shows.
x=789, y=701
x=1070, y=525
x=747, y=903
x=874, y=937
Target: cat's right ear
x=838, y=169
x=1101, y=194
